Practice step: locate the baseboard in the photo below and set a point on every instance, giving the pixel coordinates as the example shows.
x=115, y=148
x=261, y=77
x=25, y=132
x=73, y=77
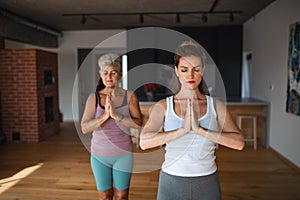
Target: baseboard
x=286, y=161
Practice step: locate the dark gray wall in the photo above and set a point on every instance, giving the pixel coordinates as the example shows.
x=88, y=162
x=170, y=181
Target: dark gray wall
x=223, y=43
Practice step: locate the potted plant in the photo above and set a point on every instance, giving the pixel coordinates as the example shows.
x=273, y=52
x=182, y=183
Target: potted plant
x=149, y=89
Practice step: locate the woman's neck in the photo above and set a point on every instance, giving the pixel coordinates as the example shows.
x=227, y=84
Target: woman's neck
x=189, y=94
x=114, y=91
x=108, y=90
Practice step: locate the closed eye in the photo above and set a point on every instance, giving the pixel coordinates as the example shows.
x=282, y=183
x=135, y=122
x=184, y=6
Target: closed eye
x=198, y=69
x=183, y=69
x=112, y=73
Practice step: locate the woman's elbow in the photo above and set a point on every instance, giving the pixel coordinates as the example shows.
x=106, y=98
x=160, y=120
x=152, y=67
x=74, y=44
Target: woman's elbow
x=138, y=122
x=240, y=144
x=143, y=144
x=237, y=143
x=84, y=130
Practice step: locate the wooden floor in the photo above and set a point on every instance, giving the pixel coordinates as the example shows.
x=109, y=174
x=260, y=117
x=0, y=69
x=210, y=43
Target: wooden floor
x=59, y=169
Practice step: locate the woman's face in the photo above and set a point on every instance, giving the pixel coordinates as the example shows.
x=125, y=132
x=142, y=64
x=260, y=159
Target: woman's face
x=190, y=70
x=110, y=76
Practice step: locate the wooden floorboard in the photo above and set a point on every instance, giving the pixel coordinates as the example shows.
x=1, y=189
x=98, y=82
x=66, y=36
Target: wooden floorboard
x=59, y=168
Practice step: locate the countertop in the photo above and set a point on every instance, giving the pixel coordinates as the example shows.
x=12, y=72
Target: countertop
x=230, y=102
x=246, y=102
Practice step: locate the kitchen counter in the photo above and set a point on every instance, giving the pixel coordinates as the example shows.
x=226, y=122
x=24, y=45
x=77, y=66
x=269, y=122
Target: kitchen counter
x=237, y=106
x=245, y=102
x=229, y=101
x=251, y=106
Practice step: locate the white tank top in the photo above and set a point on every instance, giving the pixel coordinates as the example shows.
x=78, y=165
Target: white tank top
x=192, y=154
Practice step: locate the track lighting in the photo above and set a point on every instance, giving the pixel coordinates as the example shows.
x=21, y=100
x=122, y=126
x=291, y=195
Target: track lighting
x=178, y=20
x=141, y=18
x=204, y=18
x=204, y=15
x=231, y=17
x=83, y=19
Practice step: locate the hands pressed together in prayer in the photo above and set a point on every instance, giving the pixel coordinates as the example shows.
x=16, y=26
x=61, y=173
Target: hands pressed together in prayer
x=110, y=111
x=190, y=119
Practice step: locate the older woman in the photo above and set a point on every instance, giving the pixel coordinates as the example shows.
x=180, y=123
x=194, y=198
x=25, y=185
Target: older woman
x=109, y=113
x=190, y=123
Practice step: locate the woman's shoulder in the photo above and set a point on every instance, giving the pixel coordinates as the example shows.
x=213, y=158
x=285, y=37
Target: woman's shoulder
x=92, y=95
x=162, y=102
x=129, y=92
x=158, y=107
x=218, y=104
x=91, y=99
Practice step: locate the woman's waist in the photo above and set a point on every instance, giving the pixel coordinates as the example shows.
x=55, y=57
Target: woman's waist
x=118, y=137
x=193, y=151
x=112, y=127
x=109, y=149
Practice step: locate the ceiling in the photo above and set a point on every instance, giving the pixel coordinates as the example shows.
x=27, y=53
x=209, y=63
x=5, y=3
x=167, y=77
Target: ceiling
x=112, y=14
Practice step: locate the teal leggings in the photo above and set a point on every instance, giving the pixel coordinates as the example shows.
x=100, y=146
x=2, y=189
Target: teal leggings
x=112, y=170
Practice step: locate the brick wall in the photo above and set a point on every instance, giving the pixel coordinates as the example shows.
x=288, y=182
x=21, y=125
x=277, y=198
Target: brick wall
x=23, y=91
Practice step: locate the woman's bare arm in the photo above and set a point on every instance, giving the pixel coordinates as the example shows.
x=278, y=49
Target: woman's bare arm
x=135, y=119
x=153, y=135
x=88, y=122
x=230, y=135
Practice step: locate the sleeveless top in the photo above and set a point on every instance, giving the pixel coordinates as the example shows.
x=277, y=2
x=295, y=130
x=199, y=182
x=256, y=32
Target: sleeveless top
x=112, y=138
x=191, y=154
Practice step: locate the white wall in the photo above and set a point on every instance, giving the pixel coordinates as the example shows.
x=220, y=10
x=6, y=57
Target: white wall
x=67, y=60
x=267, y=36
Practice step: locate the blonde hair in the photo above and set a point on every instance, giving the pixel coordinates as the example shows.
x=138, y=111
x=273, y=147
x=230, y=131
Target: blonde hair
x=109, y=59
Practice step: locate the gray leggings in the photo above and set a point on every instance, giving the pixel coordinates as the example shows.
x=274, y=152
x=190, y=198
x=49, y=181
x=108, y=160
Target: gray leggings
x=188, y=188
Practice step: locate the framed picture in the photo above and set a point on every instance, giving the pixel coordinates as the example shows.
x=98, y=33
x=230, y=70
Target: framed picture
x=293, y=88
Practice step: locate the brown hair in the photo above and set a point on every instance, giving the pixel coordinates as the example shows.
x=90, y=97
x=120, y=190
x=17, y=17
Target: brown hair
x=189, y=48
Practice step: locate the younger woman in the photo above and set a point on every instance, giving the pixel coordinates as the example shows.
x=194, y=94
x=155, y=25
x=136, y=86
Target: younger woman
x=190, y=123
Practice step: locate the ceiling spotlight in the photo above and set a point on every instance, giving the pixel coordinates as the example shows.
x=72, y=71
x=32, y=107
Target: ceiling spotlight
x=231, y=17
x=83, y=19
x=204, y=18
x=141, y=18
x=178, y=20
